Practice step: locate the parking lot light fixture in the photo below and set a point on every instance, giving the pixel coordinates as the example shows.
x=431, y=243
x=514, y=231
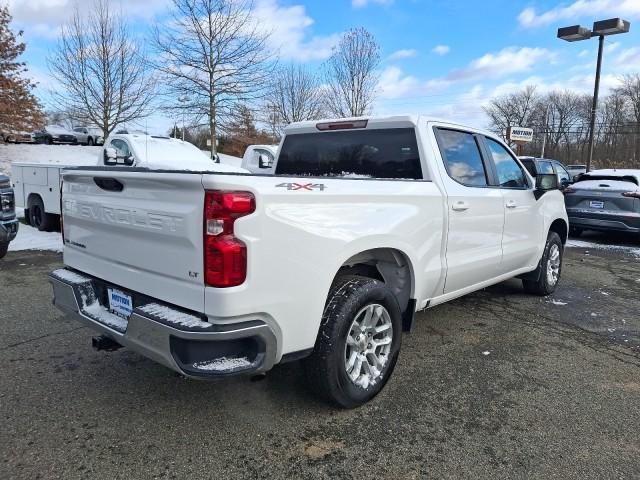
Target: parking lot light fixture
x=601, y=28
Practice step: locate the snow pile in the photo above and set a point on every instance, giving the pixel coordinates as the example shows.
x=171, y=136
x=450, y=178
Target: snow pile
x=104, y=316
x=69, y=276
x=223, y=364
x=174, y=316
x=63, y=155
x=162, y=153
x=30, y=238
x=615, y=185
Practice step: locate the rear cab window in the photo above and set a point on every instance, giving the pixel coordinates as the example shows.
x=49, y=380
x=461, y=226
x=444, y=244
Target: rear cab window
x=462, y=158
x=390, y=153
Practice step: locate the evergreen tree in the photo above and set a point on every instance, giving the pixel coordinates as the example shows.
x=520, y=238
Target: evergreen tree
x=19, y=108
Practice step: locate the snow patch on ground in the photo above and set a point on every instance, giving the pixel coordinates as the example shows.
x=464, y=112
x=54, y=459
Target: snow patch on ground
x=557, y=302
x=174, y=316
x=223, y=364
x=486, y=352
x=574, y=243
x=30, y=238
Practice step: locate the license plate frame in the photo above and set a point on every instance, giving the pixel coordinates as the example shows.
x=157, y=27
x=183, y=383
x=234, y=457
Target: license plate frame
x=120, y=303
x=599, y=204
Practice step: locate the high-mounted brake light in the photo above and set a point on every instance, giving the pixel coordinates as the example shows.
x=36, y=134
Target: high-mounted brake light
x=635, y=194
x=225, y=256
x=342, y=125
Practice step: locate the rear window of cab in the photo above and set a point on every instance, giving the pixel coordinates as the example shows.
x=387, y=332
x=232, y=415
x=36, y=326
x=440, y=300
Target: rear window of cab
x=377, y=153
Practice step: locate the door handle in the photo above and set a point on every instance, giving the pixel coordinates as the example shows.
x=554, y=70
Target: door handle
x=511, y=204
x=460, y=206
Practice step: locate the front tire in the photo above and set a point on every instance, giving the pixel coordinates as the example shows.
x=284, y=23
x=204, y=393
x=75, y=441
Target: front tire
x=358, y=342
x=549, y=269
x=3, y=249
x=90, y=142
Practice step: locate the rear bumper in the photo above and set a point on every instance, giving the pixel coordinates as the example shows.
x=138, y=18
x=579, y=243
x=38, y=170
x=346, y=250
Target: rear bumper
x=181, y=341
x=604, y=221
x=8, y=230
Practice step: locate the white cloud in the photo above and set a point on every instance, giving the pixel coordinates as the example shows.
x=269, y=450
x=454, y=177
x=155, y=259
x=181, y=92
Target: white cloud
x=364, y=3
x=404, y=53
x=584, y=53
x=507, y=61
x=289, y=32
x=529, y=18
x=53, y=13
x=394, y=84
x=441, y=49
x=628, y=58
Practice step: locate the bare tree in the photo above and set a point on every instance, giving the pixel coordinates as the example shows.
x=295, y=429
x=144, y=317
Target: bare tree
x=350, y=74
x=213, y=57
x=514, y=109
x=102, y=70
x=630, y=91
x=295, y=95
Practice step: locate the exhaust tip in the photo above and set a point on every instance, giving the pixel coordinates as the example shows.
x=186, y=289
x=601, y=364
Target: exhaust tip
x=104, y=343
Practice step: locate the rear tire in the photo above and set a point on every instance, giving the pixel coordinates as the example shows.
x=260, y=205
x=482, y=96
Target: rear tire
x=358, y=342
x=90, y=142
x=3, y=249
x=549, y=269
x=38, y=217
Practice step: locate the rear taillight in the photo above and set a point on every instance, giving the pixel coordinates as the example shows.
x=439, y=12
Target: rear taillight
x=569, y=190
x=631, y=194
x=225, y=256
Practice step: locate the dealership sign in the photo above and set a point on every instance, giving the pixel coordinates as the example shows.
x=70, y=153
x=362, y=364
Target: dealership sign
x=519, y=134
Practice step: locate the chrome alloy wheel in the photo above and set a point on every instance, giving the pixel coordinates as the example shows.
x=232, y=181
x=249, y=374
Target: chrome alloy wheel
x=553, y=265
x=368, y=345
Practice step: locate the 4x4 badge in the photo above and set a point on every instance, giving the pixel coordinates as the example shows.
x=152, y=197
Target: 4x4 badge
x=302, y=186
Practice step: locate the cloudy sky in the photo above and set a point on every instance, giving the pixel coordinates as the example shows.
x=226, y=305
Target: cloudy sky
x=440, y=57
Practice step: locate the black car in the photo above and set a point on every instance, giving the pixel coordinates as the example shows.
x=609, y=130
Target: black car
x=537, y=166
x=8, y=221
x=54, y=134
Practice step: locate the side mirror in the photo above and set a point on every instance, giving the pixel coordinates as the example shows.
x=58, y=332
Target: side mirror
x=264, y=161
x=545, y=182
x=110, y=156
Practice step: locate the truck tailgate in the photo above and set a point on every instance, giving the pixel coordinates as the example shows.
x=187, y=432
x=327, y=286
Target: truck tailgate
x=139, y=230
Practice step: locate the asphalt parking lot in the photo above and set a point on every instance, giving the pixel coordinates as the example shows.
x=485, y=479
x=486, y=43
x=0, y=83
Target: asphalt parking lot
x=494, y=385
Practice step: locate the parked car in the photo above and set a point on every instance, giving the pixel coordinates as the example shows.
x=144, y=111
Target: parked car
x=536, y=166
x=260, y=158
x=89, y=135
x=575, y=170
x=8, y=221
x=604, y=200
x=54, y=134
x=19, y=137
x=365, y=222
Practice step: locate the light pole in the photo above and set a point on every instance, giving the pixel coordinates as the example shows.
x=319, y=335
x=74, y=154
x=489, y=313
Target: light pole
x=600, y=29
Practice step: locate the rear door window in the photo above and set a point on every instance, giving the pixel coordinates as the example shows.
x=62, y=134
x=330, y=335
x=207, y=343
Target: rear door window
x=462, y=157
x=381, y=153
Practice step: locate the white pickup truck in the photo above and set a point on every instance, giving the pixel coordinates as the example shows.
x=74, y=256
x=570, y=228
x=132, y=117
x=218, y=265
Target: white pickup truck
x=365, y=222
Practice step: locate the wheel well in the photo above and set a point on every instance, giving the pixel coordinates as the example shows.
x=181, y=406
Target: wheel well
x=388, y=265
x=32, y=198
x=560, y=227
